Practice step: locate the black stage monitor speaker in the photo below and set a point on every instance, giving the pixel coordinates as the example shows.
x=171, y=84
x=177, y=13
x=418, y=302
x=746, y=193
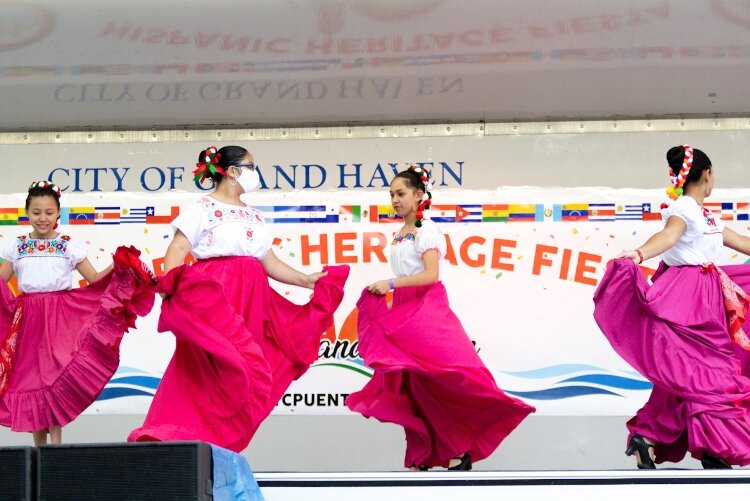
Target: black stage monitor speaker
x=134, y=472
x=17, y=473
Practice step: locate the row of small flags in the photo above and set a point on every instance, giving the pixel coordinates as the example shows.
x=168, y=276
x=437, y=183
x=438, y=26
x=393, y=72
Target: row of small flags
x=95, y=215
x=728, y=211
x=469, y=213
x=603, y=212
x=502, y=213
x=299, y=213
x=464, y=213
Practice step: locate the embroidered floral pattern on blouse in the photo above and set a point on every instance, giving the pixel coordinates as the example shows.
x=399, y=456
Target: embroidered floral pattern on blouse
x=409, y=237
x=57, y=246
x=223, y=214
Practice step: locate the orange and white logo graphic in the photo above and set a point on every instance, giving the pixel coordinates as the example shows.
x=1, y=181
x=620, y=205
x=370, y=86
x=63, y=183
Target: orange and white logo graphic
x=340, y=349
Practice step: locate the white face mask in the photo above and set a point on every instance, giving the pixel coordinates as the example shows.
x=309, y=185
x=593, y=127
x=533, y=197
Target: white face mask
x=249, y=180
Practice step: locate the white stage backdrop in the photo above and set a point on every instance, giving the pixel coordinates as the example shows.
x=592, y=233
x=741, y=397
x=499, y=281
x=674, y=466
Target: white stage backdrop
x=524, y=264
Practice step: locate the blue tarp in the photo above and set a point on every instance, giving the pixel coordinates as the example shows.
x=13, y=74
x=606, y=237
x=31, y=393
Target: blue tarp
x=233, y=478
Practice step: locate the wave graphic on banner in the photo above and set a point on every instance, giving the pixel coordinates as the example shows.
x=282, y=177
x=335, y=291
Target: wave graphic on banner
x=130, y=382
x=562, y=381
x=357, y=366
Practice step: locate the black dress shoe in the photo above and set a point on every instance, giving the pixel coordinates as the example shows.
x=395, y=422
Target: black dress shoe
x=638, y=443
x=710, y=462
x=464, y=465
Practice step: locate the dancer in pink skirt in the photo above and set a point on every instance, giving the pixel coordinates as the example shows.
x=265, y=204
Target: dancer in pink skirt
x=239, y=343
x=428, y=377
x=60, y=347
x=684, y=332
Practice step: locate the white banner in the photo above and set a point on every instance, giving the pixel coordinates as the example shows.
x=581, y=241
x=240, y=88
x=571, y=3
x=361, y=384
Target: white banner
x=523, y=264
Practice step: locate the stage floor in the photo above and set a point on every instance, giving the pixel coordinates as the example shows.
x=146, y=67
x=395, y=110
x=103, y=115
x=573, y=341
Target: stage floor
x=684, y=485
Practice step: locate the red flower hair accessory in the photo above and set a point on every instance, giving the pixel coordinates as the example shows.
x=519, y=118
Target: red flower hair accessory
x=209, y=165
x=44, y=184
x=424, y=205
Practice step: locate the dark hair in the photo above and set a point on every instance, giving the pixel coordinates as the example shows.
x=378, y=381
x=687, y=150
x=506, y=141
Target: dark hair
x=228, y=155
x=417, y=178
x=411, y=178
x=43, y=189
x=701, y=162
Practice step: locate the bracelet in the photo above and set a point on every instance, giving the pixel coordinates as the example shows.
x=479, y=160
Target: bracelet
x=391, y=283
x=640, y=255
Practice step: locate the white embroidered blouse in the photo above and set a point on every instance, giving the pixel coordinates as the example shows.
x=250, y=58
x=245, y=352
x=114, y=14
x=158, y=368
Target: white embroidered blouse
x=702, y=242
x=44, y=264
x=216, y=229
x=407, y=251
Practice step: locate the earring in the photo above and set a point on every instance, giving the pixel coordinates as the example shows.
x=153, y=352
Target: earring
x=233, y=179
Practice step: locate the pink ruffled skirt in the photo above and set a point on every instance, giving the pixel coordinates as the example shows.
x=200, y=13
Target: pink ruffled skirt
x=67, y=348
x=429, y=379
x=239, y=346
x=675, y=332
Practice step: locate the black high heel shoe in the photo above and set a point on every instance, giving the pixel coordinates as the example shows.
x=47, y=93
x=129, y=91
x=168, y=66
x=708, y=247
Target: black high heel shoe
x=638, y=444
x=710, y=462
x=464, y=465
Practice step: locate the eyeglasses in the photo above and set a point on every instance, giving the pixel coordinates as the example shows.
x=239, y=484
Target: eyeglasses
x=250, y=165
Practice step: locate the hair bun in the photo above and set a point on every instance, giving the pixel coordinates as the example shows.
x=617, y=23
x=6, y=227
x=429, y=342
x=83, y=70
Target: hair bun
x=208, y=166
x=675, y=157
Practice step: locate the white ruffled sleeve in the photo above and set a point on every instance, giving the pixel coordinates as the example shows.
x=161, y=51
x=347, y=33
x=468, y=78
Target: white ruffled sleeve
x=268, y=243
x=76, y=253
x=191, y=221
x=430, y=237
x=688, y=210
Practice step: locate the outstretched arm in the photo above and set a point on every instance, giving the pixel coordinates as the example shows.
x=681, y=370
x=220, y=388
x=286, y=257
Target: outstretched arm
x=659, y=242
x=429, y=276
x=735, y=241
x=282, y=272
x=87, y=271
x=6, y=270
